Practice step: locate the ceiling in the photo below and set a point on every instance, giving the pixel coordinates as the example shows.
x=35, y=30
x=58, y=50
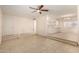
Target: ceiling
x=24, y=10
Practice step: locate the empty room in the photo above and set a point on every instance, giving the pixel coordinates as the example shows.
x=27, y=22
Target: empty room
x=39, y=28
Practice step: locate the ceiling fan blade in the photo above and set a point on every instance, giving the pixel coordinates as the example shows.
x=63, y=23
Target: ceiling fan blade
x=40, y=7
x=33, y=11
x=44, y=10
x=40, y=12
x=32, y=8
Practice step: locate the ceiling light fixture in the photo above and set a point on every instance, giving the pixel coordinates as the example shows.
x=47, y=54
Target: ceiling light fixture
x=38, y=10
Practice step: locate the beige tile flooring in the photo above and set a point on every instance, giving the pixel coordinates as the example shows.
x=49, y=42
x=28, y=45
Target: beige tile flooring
x=35, y=44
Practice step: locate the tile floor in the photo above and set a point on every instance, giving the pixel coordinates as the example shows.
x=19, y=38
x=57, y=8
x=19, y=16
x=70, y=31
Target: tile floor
x=35, y=44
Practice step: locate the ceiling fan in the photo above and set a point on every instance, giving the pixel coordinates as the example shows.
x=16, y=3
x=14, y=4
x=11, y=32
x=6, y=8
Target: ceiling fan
x=39, y=9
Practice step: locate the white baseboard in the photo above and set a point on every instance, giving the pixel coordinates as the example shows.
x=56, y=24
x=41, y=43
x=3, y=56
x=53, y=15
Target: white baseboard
x=15, y=36
x=61, y=40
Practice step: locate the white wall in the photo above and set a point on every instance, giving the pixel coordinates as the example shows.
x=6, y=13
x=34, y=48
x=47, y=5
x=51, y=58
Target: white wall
x=43, y=25
x=0, y=25
x=16, y=25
